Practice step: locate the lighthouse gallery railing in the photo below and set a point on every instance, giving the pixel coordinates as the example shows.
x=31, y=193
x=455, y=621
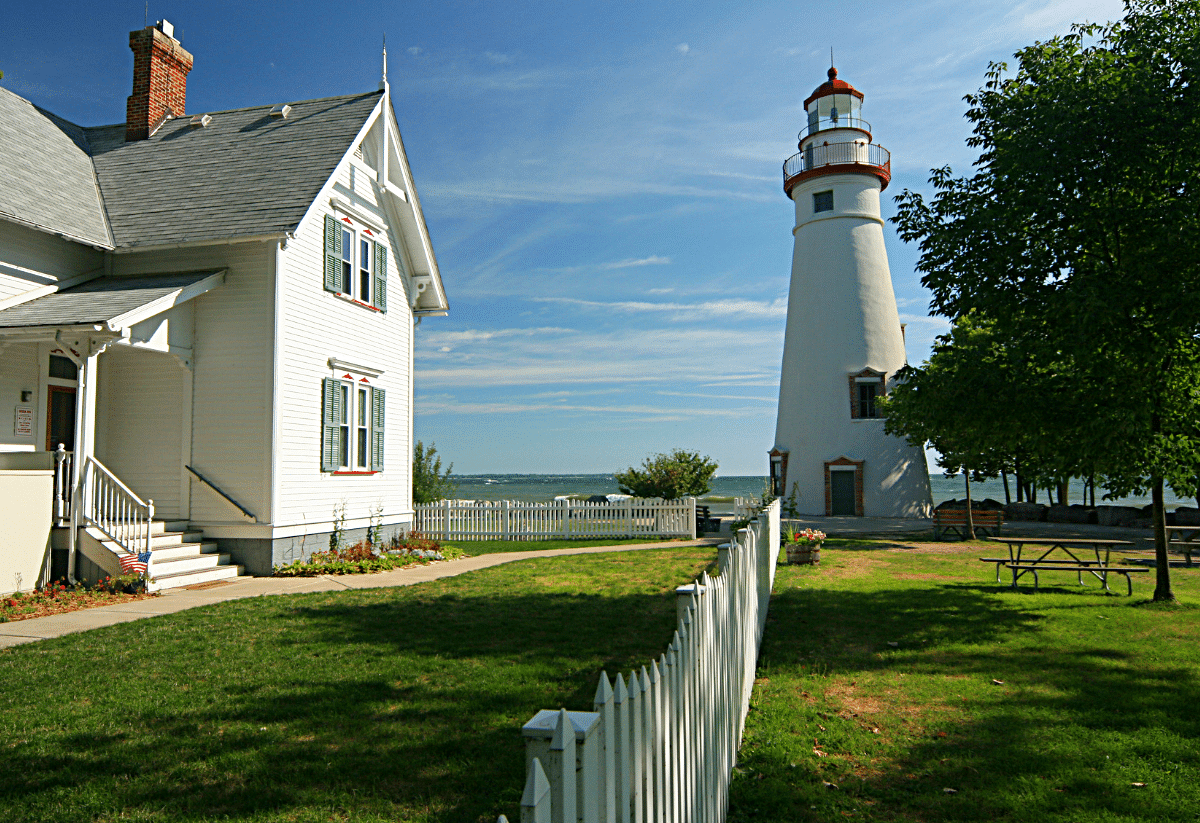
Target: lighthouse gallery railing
x=838, y=154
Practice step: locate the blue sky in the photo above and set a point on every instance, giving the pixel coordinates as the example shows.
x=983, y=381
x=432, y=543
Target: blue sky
x=601, y=181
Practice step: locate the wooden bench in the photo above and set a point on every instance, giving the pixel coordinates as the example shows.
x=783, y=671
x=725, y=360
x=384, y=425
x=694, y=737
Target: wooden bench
x=705, y=522
x=1099, y=570
x=1005, y=561
x=987, y=522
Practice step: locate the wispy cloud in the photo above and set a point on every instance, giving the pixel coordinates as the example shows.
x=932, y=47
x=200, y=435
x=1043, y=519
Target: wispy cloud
x=774, y=309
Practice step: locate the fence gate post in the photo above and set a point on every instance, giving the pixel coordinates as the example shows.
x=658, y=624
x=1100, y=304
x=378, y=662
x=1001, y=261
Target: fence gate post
x=445, y=520
x=505, y=527
x=692, y=516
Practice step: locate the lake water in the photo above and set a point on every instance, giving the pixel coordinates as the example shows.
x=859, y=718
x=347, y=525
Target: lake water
x=542, y=487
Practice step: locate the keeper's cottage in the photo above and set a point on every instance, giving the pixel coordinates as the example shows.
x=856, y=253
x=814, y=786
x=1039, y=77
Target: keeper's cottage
x=844, y=342
x=213, y=311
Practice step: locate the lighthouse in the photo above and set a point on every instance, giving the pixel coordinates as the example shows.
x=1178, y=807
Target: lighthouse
x=844, y=342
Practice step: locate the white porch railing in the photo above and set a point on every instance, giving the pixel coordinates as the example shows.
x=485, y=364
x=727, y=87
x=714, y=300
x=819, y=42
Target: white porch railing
x=661, y=745
x=518, y=520
x=113, y=508
x=62, y=485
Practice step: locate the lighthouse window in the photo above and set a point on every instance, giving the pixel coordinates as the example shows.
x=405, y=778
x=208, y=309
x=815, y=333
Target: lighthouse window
x=866, y=399
x=822, y=201
x=866, y=388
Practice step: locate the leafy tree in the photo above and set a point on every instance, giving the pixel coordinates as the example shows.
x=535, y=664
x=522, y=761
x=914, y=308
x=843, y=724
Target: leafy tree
x=1078, y=236
x=429, y=482
x=669, y=476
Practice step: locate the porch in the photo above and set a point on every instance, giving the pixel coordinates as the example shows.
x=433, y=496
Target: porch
x=102, y=375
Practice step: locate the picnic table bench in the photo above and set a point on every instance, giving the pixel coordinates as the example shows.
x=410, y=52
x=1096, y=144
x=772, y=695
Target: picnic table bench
x=987, y=522
x=1099, y=568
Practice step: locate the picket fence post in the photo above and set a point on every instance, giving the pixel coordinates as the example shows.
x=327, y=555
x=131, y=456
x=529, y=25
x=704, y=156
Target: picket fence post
x=603, y=703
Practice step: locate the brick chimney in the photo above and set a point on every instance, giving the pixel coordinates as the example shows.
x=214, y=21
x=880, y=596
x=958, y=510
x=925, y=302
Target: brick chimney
x=160, y=69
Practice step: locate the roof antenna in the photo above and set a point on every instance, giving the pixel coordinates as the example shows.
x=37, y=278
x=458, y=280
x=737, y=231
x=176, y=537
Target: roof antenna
x=383, y=83
x=146, y=16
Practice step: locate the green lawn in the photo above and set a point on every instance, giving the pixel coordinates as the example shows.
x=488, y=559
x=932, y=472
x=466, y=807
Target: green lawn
x=1097, y=693
x=382, y=705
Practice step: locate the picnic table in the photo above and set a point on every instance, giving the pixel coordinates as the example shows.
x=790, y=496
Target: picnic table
x=1098, y=567
x=1185, y=538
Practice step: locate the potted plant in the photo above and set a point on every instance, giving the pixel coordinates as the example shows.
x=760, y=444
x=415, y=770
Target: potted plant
x=804, y=547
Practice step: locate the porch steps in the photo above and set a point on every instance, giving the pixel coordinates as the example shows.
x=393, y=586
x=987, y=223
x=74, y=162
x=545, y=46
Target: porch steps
x=179, y=556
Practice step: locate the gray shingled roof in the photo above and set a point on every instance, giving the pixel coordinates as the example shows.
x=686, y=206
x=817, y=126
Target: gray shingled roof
x=46, y=177
x=245, y=174
x=96, y=301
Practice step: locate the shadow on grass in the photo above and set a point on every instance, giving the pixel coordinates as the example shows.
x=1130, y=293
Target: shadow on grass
x=1064, y=735
x=374, y=705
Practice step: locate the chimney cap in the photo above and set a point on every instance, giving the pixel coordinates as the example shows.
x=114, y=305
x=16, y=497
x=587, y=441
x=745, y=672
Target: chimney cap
x=165, y=27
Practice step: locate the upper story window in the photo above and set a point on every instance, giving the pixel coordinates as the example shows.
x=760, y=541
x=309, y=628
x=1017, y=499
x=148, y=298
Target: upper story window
x=866, y=388
x=822, y=201
x=355, y=262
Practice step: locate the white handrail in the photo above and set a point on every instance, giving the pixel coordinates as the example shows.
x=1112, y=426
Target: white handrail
x=114, y=508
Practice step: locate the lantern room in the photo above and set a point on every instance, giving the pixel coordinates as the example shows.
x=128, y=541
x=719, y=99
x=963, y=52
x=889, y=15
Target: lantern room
x=834, y=104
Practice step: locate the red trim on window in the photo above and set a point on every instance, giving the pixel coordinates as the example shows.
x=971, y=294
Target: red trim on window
x=368, y=231
x=341, y=474
x=347, y=220
x=363, y=380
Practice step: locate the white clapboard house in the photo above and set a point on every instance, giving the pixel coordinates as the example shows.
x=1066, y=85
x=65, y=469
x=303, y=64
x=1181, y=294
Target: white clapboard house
x=211, y=311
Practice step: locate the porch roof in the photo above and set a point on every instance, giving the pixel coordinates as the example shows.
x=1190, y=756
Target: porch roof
x=115, y=302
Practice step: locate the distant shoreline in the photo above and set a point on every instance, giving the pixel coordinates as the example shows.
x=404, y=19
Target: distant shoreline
x=545, y=487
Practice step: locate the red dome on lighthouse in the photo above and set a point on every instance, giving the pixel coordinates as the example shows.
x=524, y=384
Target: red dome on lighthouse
x=832, y=86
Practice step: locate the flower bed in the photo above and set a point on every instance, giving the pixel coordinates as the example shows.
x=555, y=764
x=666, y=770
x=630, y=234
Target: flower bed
x=60, y=597
x=366, y=557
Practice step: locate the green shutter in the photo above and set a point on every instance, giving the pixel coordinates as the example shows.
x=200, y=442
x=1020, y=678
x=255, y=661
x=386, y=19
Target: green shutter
x=331, y=417
x=377, y=414
x=380, y=301
x=333, y=254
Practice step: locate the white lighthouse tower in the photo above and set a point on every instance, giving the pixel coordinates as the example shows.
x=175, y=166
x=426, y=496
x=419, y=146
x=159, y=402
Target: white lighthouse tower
x=844, y=342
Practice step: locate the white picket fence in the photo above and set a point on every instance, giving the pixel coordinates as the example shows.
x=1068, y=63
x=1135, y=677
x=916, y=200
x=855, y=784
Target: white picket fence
x=661, y=745
x=744, y=507
x=519, y=520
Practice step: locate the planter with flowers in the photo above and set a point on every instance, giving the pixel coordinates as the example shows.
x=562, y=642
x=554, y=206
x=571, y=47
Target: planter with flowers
x=803, y=547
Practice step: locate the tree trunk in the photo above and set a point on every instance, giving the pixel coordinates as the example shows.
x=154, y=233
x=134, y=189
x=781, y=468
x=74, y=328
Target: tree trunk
x=1162, y=567
x=970, y=515
x=1064, y=489
x=1020, y=481
x=1007, y=496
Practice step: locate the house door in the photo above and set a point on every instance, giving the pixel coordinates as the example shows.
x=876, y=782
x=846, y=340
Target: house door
x=60, y=418
x=841, y=492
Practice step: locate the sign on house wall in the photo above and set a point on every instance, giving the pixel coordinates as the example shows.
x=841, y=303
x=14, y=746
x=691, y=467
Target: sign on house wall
x=23, y=425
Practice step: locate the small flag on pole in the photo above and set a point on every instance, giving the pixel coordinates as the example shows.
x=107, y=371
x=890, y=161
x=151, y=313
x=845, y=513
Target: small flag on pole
x=135, y=563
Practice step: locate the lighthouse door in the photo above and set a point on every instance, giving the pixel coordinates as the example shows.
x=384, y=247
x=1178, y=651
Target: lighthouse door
x=841, y=493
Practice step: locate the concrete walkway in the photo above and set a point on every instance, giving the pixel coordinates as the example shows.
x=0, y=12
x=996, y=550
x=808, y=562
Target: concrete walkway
x=18, y=632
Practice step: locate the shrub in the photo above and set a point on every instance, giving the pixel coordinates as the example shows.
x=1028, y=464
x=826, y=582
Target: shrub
x=669, y=476
x=429, y=482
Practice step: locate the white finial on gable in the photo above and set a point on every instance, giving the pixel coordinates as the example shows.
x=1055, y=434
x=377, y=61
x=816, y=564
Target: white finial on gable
x=383, y=83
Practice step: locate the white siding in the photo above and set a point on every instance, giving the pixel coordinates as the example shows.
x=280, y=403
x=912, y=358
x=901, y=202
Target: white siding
x=315, y=326
x=140, y=424
x=19, y=372
x=29, y=259
x=231, y=386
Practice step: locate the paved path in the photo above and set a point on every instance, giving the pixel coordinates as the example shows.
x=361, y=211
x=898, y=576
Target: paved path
x=176, y=600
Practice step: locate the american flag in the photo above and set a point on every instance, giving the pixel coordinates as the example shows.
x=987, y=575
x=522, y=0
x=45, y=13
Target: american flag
x=135, y=563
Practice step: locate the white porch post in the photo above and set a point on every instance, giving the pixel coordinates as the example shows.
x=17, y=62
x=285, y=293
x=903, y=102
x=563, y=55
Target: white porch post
x=85, y=441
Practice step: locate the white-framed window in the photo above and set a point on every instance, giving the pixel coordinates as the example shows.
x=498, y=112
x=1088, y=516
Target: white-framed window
x=353, y=413
x=355, y=262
